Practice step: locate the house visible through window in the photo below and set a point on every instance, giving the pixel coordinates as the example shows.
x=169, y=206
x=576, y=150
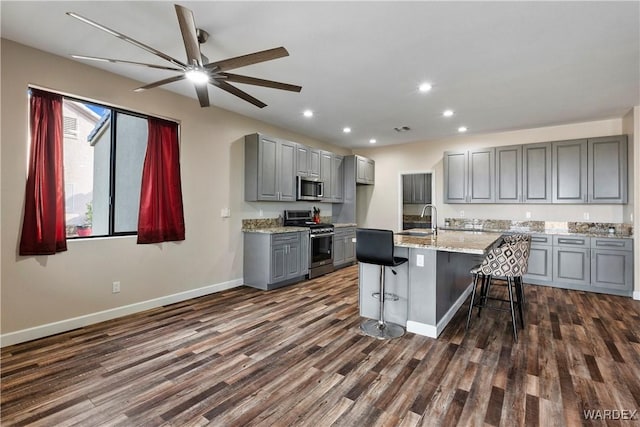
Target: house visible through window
x=103, y=161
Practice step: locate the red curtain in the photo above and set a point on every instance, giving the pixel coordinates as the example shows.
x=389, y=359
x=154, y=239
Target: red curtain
x=161, y=217
x=43, y=228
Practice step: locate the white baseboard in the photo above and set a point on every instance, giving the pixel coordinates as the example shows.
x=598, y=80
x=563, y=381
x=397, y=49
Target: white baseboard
x=636, y=295
x=100, y=316
x=432, y=331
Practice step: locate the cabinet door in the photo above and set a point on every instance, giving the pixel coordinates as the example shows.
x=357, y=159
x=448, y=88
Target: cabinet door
x=325, y=174
x=304, y=252
x=338, y=249
x=350, y=246
x=370, y=171
x=286, y=171
x=278, y=263
x=313, y=163
x=419, y=190
x=361, y=170
x=569, y=177
x=455, y=176
x=536, y=173
x=268, y=151
x=607, y=176
x=407, y=189
x=337, y=179
x=481, y=175
x=612, y=269
x=302, y=160
x=540, y=263
x=571, y=265
x=509, y=174
x=293, y=263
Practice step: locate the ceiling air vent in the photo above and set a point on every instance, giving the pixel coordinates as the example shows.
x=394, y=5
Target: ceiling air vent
x=402, y=129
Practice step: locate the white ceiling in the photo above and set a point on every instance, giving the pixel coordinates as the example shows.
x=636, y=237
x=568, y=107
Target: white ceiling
x=498, y=65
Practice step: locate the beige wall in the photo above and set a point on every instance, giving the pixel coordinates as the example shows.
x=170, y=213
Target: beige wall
x=41, y=290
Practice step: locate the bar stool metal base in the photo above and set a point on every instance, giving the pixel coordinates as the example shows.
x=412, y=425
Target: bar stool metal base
x=381, y=331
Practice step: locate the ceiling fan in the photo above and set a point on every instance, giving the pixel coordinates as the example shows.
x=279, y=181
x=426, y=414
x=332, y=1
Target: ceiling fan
x=197, y=68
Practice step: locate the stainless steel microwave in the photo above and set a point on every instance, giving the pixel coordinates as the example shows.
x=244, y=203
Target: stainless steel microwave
x=309, y=188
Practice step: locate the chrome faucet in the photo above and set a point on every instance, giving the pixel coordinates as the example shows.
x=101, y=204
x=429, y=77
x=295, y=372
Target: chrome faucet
x=434, y=217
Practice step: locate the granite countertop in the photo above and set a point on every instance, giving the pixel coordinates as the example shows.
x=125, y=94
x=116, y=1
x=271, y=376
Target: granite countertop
x=550, y=232
x=470, y=242
x=274, y=230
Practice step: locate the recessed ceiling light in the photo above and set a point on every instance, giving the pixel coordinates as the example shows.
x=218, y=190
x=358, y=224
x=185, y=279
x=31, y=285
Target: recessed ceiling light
x=346, y=130
x=447, y=113
x=424, y=87
x=372, y=141
x=308, y=113
x=462, y=129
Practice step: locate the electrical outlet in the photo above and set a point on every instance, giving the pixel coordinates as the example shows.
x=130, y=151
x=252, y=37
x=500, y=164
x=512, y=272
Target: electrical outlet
x=420, y=260
x=461, y=214
x=261, y=214
x=585, y=215
x=115, y=287
x=527, y=215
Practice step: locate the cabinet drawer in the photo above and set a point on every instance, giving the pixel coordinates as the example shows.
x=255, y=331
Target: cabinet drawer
x=612, y=244
x=573, y=242
x=541, y=239
x=284, y=238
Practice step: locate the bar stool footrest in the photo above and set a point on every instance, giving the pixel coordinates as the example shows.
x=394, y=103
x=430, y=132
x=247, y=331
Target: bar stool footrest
x=387, y=296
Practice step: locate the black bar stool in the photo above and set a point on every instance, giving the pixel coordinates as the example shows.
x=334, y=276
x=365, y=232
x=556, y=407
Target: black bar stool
x=509, y=261
x=375, y=246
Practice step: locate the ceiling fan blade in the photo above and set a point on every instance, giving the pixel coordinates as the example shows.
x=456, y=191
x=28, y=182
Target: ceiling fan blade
x=120, y=61
x=189, y=34
x=160, y=83
x=249, y=59
x=202, y=90
x=128, y=39
x=260, y=82
x=237, y=92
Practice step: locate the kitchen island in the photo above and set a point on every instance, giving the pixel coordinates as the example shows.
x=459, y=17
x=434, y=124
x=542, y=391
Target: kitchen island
x=433, y=285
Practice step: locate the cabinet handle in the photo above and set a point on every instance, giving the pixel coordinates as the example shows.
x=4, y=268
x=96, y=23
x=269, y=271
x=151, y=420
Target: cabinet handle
x=571, y=242
x=610, y=245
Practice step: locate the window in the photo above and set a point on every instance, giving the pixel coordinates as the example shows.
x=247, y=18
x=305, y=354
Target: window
x=103, y=160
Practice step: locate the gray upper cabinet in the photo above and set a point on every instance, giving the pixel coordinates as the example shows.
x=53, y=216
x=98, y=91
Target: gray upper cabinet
x=308, y=162
x=337, y=178
x=607, y=176
x=509, y=174
x=365, y=170
x=416, y=188
x=536, y=173
x=455, y=176
x=569, y=176
x=325, y=173
x=481, y=175
x=469, y=176
x=270, y=166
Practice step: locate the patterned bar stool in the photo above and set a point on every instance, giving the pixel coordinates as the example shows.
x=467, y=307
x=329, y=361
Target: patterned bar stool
x=376, y=247
x=509, y=262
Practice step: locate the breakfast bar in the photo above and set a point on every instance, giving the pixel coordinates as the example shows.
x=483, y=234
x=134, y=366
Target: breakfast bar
x=432, y=286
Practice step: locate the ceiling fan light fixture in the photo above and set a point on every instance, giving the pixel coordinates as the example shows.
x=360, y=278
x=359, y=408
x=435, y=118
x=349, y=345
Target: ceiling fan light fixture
x=197, y=76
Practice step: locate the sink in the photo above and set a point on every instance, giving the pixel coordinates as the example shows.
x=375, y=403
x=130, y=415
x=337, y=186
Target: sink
x=415, y=233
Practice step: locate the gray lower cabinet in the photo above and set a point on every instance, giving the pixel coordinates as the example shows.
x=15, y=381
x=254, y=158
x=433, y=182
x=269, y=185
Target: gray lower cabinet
x=274, y=260
x=270, y=169
x=344, y=247
x=596, y=264
x=540, y=258
x=612, y=263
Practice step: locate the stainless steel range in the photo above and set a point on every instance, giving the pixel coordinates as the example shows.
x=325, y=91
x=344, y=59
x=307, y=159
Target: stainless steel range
x=320, y=241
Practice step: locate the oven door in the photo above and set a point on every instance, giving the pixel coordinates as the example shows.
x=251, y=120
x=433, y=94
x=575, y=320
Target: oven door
x=321, y=249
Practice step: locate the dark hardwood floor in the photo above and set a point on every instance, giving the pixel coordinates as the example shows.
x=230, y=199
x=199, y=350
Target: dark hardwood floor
x=295, y=356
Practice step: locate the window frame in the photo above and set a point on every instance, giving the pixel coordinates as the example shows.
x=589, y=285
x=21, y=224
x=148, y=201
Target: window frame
x=112, y=153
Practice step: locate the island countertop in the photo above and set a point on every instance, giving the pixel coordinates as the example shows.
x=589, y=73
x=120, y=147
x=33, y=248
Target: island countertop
x=469, y=242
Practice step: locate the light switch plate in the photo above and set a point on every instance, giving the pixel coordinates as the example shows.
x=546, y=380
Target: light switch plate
x=225, y=212
x=527, y=215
